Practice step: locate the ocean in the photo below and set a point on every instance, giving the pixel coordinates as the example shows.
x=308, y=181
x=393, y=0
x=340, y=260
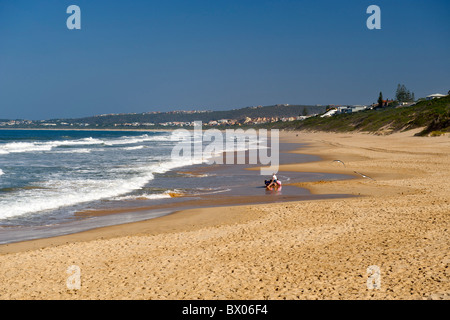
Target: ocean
x=49, y=177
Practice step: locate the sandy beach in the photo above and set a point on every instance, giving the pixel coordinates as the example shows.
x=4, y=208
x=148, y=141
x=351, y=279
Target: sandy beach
x=317, y=249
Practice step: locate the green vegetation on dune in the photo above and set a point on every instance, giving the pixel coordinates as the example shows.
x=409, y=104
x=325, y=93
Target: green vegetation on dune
x=433, y=115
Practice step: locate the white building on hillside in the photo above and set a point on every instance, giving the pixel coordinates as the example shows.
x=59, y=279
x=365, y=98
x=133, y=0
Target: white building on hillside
x=435, y=96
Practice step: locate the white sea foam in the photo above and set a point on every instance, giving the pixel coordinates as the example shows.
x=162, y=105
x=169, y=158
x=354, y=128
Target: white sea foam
x=16, y=147
x=19, y=147
x=74, y=151
x=61, y=193
x=1, y=172
x=133, y=140
x=133, y=148
x=55, y=194
x=112, y=181
x=145, y=196
x=213, y=191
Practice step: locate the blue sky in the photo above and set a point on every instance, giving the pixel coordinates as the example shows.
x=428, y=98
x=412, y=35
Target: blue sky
x=138, y=56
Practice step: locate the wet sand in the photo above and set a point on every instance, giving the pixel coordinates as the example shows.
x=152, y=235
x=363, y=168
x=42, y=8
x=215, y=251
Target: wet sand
x=315, y=249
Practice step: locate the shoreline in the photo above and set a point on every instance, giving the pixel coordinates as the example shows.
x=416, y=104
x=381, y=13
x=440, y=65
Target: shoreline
x=290, y=250
x=123, y=219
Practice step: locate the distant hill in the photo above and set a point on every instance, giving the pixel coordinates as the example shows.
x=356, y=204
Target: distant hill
x=238, y=114
x=433, y=115
x=157, y=119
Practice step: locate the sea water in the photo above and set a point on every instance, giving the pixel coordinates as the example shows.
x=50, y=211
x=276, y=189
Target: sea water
x=47, y=175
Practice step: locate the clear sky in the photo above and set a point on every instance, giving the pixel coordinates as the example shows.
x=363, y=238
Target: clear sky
x=138, y=56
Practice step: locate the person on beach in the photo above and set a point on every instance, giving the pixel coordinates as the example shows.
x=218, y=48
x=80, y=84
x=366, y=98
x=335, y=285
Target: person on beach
x=273, y=182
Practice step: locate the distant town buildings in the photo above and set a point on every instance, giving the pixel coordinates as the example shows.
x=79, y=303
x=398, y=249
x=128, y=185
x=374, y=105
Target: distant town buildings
x=15, y=123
